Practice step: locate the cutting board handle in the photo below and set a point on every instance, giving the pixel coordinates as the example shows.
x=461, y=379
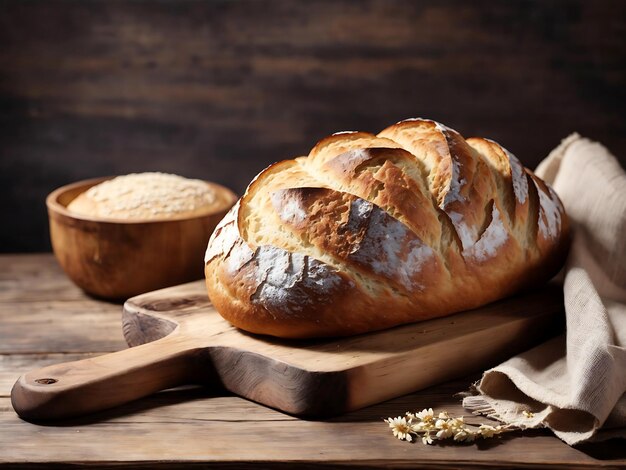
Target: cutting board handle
x=76, y=388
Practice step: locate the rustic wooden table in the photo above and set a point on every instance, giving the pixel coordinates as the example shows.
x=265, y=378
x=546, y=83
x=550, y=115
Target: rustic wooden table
x=44, y=319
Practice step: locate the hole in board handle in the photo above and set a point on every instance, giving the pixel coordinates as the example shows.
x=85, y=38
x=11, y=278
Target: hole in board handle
x=46, y=381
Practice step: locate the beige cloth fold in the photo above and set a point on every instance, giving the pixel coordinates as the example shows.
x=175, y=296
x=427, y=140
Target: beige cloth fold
x=575, y=384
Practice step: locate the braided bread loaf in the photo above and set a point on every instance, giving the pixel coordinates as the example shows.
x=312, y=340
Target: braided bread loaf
x=368, y=232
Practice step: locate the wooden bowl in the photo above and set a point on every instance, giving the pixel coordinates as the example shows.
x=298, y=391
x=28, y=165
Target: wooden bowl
x=118, y=259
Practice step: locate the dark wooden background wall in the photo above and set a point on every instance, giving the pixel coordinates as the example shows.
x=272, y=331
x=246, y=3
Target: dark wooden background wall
x=220, y=89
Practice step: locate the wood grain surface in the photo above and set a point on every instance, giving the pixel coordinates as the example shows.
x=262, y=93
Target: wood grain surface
x=178, y=338
x=200, y=427
x=220, y=89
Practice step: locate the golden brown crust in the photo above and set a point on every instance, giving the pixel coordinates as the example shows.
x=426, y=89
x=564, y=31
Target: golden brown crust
x=370, y=232
x=405, y=196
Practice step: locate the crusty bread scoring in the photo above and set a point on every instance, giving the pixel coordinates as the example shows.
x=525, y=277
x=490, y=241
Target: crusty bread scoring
x=146, y=196
x=369, y=232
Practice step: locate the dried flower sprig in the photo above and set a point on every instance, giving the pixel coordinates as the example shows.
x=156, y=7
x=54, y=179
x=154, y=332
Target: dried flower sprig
x=431, y=429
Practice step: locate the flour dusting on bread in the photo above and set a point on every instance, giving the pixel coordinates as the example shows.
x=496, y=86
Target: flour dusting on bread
x=495, y=236
x=387, y=245
x=290, y=282
x=224, y=236
x=550, y=214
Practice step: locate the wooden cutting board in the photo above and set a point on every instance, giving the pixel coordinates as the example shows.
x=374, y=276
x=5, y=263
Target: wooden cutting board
x=178, y=338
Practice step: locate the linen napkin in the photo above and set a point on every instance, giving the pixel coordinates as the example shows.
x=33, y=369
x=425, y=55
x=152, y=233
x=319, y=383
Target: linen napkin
x=575, y=384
